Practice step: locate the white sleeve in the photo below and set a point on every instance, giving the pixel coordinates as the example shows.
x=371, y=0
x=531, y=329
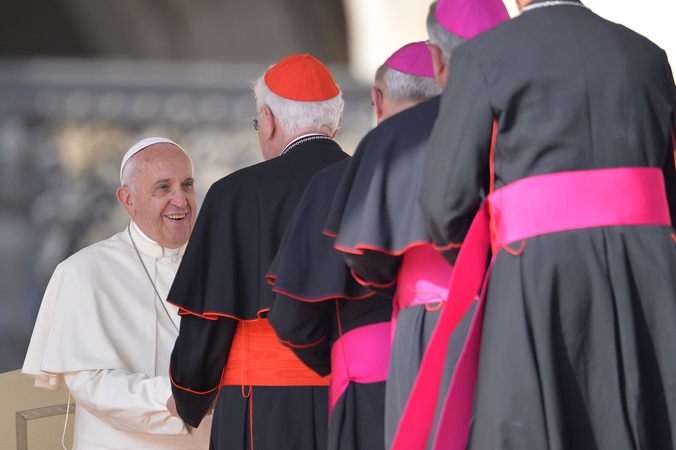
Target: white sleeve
x=130, y=402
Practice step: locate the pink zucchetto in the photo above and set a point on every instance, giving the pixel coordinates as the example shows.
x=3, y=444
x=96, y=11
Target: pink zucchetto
x=468, y=18
x=145, y=143
x=413, y=59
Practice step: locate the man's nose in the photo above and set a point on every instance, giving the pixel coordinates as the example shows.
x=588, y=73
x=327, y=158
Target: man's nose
x=178, y=198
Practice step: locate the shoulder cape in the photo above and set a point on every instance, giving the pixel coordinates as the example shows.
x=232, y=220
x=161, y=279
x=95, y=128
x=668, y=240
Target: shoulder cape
x=238, y=231
x=307, y=267
x=98, y=306
x=376, y=204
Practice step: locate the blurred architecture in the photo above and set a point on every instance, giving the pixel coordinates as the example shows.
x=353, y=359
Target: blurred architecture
x=82, y=80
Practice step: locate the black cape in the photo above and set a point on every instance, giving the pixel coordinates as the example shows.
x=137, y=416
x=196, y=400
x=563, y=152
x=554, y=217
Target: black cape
x=317, y=299
x=577, y=347
x=375, y=214
x=376, y=204
x=307, y=267
x=238, y=231
x=221, y=280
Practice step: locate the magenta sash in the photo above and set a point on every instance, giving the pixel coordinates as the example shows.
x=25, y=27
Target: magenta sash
x=423, y=277
x=360, y=355
x=573, y=200
x=526, y=208
x=422, y=280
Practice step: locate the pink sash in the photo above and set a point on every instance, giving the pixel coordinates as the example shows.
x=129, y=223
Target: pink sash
x=360, y=355
x=422, y=280
x=526, y=208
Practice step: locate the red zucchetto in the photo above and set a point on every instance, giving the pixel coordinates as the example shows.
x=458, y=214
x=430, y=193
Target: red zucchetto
x=301, y=78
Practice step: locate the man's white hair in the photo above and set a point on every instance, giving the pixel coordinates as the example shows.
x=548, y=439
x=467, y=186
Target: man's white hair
x=440, y=36
x=294, y=116
x=405, y=87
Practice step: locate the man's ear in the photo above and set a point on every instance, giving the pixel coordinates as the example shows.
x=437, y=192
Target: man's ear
x=439, y=64
x=269, y=119
x=340, y=121
x=377, y=100
x=125, y=198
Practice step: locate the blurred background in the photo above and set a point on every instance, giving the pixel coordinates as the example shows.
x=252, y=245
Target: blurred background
x=82, y=80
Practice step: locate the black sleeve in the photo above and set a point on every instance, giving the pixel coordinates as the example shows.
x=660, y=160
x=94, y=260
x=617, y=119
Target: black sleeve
x=456, y=163
x=305, y=328
x=200, y=353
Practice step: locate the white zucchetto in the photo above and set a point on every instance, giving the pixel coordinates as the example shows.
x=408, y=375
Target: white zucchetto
x=144, y=143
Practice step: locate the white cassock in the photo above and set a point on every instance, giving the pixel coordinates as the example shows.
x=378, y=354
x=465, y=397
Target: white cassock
x=103, y=333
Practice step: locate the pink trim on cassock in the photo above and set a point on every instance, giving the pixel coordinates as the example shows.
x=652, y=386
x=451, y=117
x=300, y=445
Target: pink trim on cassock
x=526, y=208
x=360, y=355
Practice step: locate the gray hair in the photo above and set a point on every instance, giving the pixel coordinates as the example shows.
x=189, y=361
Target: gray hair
x=440, y=36
x=293, y=115
x=129, y=174
x=405, y=87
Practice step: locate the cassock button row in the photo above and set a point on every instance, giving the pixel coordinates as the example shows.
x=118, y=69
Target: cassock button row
x=175, y=258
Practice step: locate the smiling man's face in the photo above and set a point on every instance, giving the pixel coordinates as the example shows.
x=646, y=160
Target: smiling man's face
x=160, y=195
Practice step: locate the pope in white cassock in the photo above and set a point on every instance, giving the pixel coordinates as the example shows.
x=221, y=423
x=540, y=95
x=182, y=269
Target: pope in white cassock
x=105, y=331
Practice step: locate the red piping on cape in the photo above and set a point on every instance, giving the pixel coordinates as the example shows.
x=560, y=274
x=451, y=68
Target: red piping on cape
x=215, y=315
x=370, y=284
x=272, y=278
x=321, y=299
x=360, y=248
x=292, y=345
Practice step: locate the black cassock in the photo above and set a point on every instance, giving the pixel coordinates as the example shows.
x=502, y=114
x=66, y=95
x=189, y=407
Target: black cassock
x=317, y=301
x=376, y=218
x=236, y=236
x=578, y=343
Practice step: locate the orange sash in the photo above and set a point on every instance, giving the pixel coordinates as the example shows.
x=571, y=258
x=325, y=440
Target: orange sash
x=257, y=358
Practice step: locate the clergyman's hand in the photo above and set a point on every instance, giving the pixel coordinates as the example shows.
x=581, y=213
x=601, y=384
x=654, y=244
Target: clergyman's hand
x=171, y=406
x=213, y=405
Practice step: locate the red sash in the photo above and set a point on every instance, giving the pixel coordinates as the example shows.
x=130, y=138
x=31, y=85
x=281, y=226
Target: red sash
x=360, y=355
x=526, y=208
x=258, y=359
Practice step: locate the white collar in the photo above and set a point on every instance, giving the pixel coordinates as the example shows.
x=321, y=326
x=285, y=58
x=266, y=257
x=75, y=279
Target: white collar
x=150, y=247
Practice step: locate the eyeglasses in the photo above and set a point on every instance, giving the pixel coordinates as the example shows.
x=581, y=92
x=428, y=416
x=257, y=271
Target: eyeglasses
x=254, y=123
